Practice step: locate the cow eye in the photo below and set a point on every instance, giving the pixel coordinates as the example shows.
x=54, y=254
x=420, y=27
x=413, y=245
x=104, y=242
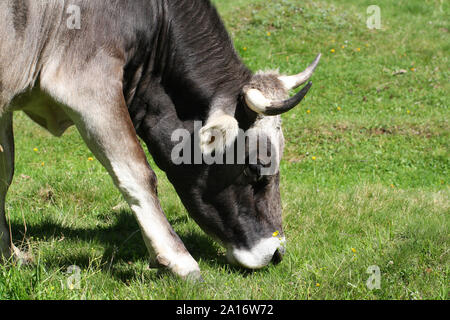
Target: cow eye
x=253, y=171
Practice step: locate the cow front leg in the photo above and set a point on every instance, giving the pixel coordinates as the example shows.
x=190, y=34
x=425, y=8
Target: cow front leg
x=112, y=139
x=7, y=248
x=102, y=119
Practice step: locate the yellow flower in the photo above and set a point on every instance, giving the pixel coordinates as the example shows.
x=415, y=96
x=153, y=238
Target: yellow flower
x=269, y=34
x=43, y=164
x=245, y=48
x=308, y=111
x=275, y=234
x=90, y=159
x=367, y=45
x=358, y=49
x=317, y=284
x=332, y=51
x=339, y=108
x=35, y=149
x=413, y=69
x=353, y=250
x=408, y=111
x=314, y=158
x=392, y=186
x=343, y=47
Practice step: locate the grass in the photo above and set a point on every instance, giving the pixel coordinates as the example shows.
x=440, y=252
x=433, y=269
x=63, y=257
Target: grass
x=365, y=172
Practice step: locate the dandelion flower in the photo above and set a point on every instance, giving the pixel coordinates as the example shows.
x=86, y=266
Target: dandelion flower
x=332, y=51
x=314, y=158
x=90, y=159
x=413, y=69
x=317, y=284
x=308, y=111
x=35, y=149
x=245, y=48
x=43, y=164
x=339, y=108
x=358, y=49
x=343, y=47
x=269, y=34
x=353, y=250
x=275, y=234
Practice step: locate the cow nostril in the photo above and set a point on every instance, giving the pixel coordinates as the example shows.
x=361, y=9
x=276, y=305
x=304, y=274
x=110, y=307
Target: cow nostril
x=277, y=257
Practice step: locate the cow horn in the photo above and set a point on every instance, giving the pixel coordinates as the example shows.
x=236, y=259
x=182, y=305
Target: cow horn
x=260, y=104
x=293, y=82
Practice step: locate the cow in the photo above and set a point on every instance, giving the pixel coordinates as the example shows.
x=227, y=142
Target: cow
x=119, y=70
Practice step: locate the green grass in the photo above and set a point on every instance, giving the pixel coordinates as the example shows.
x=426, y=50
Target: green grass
x=376, y=194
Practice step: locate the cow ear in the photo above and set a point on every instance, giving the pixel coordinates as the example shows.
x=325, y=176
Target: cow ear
x=219, y=133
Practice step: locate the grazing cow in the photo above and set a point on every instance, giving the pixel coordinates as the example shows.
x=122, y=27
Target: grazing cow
x=118, y=69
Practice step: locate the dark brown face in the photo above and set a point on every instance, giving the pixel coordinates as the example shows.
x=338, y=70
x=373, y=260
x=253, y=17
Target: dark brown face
x=236, y=199
x=237, y=204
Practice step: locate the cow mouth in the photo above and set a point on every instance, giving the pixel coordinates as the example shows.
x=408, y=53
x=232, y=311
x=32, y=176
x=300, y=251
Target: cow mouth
x=266, y=251
x=278, y=256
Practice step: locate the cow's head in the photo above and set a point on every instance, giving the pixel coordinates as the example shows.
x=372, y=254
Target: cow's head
x=238, y=202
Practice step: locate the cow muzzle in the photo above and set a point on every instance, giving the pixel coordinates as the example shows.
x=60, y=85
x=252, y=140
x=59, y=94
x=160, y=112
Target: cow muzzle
x=260, y=255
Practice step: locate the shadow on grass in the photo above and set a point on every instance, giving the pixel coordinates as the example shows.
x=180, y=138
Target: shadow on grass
x=122, y=242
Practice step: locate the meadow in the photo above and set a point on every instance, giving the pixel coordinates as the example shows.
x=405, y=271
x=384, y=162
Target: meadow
x=364, y=177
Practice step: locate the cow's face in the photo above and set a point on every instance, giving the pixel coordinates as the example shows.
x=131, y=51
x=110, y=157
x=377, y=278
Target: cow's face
x=239, y=203
x=236, y=198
